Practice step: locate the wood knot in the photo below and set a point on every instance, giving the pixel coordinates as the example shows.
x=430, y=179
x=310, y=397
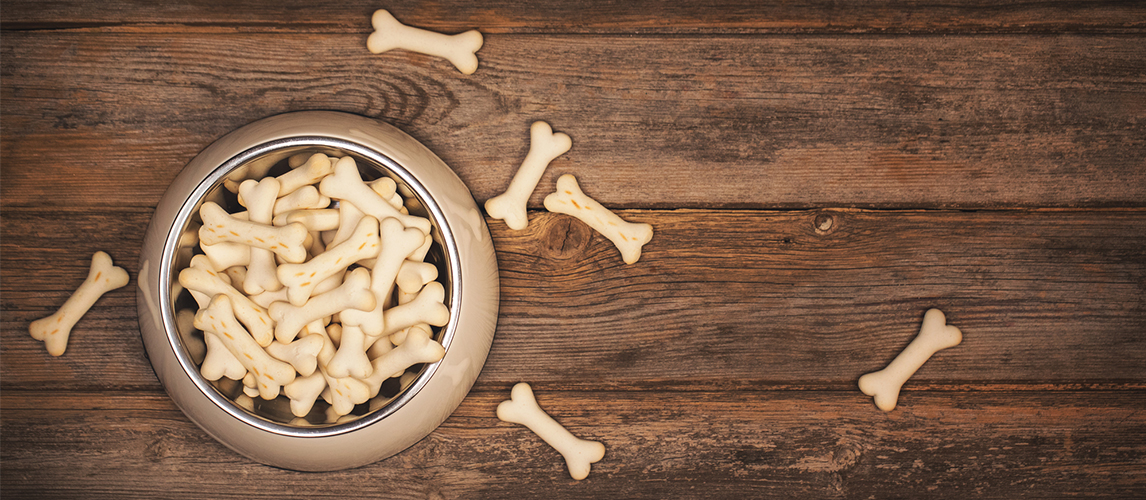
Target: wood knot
x=824, y=223
x=564, y=237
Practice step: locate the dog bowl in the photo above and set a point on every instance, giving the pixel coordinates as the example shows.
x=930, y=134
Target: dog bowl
x=406, y=410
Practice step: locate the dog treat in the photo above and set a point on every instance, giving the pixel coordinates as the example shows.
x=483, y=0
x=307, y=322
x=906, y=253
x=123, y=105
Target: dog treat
x=260, y=201
x=301, y=279
x=346, y=184
x=219, y=226
x=934, y=335
x=389, y=34
x=399, y=242
x=54, y=330
x=354, y=293
x=302, y=354
x=226, y=255
x=344, y=393
x=304, y=198
x=315, y=168
x=219, y=319
x=219, y=362
x=627, y=236
x=320, y=219
x=257, y=320
x=418, y=348
x=427, y=307
x=544, y=147
x=350, y=360
x=414, y=274
x=303, y=392
x=522, y=409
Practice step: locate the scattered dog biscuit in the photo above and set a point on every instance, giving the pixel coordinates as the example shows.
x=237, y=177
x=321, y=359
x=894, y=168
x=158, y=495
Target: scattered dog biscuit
x=522, y=409
x=934, y=335
x=389, y=34
x=627, y=236
x=544, y=147
x=54, y=330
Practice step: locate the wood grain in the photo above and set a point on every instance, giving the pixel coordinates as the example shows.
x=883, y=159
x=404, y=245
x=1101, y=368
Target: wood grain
x=773, y=122
x=659, y=445
x=594, y=16
x=719, y=299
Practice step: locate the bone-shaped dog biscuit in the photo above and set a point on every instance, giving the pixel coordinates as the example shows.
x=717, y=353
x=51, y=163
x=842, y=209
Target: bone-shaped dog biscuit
x=344, y=393
x=627, y=236
x=346, y=184
x=427, y=307
x=301, y=279
x=304, y=198
x=398, y=243
x=934, y=335
x=320, y=219
x=54, y=330
x=522, y=409
x=354, y=293
x=390, y=34
x=303, y=392
x=219, y=226
x=418, y=348
x=315, y=168
x=219, y=362
x=302, y=354
x=414, y=274
x=259, y=323
x=227, y=254
x=350, y=360
x=544, y=147
x=219, y=319
x=260, y=200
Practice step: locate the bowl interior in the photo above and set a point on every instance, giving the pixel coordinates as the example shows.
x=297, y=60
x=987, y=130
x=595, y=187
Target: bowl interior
x=271, y=160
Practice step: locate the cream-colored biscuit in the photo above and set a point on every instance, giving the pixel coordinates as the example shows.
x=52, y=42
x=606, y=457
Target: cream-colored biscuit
x=302, y=354
x=418, y=348
x=250, y=385
x=219, y=319
x=344, y=393
x=522, y=408
x=544, y=147
x=260, y=200
x=350, y=360
x=934, y=335
x=389, y=34
x=301, y=279
x=253, y=316
x=627, y=236
x=398, y=243
x=303, y=392
x=315, y=168
x=54, y=330
x=219, y=226
x=320, y=219
x=354, y=293
x=303, y=198
x=227, y=254
x=413, y=275
x=346, y=184
x=386, y=189
x=219, y=362
x=427, y=307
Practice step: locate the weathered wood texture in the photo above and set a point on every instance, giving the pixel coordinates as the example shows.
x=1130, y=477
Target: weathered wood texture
x=771, y=122
x=659, y=445
x=595, y=16
x=724, y=299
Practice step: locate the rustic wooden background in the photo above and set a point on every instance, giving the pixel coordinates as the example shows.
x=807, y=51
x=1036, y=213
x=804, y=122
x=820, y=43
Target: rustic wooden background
x=819, y=173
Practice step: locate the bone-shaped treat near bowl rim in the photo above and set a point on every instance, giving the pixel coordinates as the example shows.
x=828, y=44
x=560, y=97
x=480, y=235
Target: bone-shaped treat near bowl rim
x=219, y=319
x=418, y=348
x=629, y=237
x=258, y=322
x=934, y=336
x=544, y=147
x=522, y=408
x=54, y=330
x=220, y=226
x=460, y=49
x=346, y=184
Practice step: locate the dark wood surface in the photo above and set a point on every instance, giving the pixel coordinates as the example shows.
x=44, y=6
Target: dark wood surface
x=986, y=158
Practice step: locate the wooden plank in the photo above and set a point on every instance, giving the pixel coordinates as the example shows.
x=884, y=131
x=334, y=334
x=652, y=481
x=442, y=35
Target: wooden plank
x=719, y=299
x=596, y=16
x=659, y=445
x=724, y=122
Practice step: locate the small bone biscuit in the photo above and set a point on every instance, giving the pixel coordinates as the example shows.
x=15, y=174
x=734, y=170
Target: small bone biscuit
x=544, y=147
x=315, y=168
x=354, y=293
x=459, y=49
x=418, y=348
x=54, y=330
x=319, y=219
x=934, y=335
x=303, y=392
x=351, y=359
x=302, y=354
x=344, y=393
x=346, y=184
x=386, y=189
x=260, y=199
x=250, y=385
x=628, y=237
x=398, y=243
x=427, y=307
x=219, y=319
x=219, y=362
x=304, y=198
x=414, y=275
x=227, y=254
x=219, y=226
x=301, y=279
x=522, y=409
x=258, y=321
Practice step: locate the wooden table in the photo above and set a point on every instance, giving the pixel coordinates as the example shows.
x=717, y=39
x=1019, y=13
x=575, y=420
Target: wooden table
x=818, y=175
